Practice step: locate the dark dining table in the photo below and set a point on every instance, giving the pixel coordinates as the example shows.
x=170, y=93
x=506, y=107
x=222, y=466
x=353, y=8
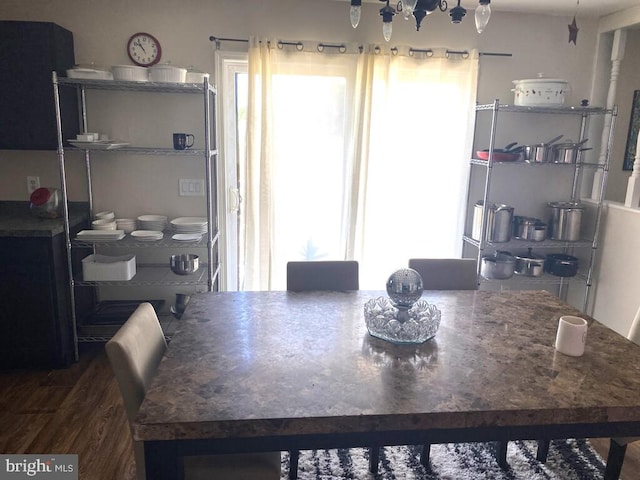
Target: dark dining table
x=281, y=371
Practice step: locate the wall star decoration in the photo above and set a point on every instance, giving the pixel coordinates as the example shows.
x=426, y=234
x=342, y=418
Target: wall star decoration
x=573, y=31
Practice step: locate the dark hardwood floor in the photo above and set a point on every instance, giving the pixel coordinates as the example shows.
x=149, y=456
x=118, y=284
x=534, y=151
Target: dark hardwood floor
x=79, y=410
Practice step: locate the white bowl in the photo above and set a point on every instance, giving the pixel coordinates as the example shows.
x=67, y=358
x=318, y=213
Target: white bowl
x=167, y=73
x=106, y=215
x=103, y=224
x=130, y=73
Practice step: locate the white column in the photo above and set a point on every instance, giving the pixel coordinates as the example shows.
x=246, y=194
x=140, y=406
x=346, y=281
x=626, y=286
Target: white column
x=633, y=186
x=617, y=54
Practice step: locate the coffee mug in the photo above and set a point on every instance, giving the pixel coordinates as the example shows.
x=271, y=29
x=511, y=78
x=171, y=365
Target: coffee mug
x=571, y=336
x=181, y=141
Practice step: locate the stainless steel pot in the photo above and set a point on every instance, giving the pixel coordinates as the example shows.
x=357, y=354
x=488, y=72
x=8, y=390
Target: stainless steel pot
x=499, y=218
x=541, y=152
x=529, y=228
x=564, y=220
x=529, y=264
x=561, y=265
x=498, y=266
x=566, y=152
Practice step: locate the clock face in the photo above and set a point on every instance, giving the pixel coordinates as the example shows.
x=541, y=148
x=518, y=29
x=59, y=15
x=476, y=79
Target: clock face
x=144, y=49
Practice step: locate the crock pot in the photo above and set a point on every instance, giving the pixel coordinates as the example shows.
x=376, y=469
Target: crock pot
x=541, y=91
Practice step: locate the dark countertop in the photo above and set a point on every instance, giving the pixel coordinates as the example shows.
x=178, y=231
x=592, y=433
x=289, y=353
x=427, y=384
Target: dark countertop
x=17, y=221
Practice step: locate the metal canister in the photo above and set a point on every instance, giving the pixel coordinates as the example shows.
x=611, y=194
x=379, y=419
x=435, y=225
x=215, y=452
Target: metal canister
x=499, y=217
x=564, y=220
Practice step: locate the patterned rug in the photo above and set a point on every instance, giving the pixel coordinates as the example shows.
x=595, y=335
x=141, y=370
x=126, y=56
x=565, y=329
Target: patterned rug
x=567, y=460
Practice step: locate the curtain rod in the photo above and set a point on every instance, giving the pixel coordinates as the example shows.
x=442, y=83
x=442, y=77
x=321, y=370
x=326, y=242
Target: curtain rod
x=342, y=48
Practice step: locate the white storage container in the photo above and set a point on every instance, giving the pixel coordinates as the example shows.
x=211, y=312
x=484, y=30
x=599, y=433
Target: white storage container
x=105, y=268
x=130, y=73
x=534, y=92
x=167, y=73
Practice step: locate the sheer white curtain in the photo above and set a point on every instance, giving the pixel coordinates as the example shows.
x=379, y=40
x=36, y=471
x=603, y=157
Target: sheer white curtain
x=353, y=156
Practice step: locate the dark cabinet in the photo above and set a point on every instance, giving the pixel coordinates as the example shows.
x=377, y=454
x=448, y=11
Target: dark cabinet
x=29, y=53
x=35, y=321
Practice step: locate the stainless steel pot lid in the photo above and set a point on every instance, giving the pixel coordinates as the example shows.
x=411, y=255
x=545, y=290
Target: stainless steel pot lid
x=566, y=205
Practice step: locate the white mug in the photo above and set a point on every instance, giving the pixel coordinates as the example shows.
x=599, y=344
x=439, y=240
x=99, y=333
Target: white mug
x=571, y=336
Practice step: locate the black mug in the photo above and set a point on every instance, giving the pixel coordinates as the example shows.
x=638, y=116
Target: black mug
x=181, y=141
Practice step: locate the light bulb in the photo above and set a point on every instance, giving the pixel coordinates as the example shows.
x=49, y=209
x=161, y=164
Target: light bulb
x=387, y=30
x=483, y=13
x=354, y=14
x=408, y=6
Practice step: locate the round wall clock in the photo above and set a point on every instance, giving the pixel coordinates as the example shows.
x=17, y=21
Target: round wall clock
x=144, y=49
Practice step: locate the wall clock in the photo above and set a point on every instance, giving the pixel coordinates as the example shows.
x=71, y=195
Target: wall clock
x=144, y=49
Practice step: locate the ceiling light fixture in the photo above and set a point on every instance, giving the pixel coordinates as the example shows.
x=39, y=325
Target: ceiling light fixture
x=420, y=9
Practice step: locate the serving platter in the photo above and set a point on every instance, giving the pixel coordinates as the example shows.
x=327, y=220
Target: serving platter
x=99, y=145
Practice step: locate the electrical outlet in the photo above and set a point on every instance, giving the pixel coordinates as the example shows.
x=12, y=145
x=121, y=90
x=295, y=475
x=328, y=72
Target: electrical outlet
x=33, y=183
x=191, y=187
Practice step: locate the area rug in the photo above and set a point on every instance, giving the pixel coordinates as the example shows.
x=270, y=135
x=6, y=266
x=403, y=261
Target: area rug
x=568, y=460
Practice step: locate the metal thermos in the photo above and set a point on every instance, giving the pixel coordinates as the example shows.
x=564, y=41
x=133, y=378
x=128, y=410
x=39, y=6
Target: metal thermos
x=499, y=219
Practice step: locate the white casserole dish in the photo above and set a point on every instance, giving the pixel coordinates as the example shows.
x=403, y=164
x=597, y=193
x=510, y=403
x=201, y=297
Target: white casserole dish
x=167, y=74
x=130, y=73
x=531, y=92
x=194, y=76
x=101, y=268
x=89, y=73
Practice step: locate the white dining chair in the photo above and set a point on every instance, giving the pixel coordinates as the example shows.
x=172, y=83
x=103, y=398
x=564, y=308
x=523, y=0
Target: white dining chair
x=134, y=353
x=327, y=275
x=618, y=445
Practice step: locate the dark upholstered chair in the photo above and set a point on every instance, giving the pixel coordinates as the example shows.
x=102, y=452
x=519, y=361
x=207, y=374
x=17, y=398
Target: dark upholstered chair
x=439, y=274
x=339, y=275
x=446, y=273
x=134, y=353
x=334, y=275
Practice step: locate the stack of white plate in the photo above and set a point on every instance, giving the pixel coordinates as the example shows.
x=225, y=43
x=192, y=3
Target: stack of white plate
x=193, y=225
x=152, y=222
x=126, y=224
x=147, y=235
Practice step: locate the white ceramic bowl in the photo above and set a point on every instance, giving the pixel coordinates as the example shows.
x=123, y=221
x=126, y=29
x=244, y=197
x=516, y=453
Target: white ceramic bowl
x=103, y=224
x=91, y=73
x=167, y=74
x=130, y=73
x=106, y=215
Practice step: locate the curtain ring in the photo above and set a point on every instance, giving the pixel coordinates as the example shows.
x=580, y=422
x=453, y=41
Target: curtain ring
x=412, y=52
x=429, y=53
x=394, y=51
x=465, y=55
x=342, y=49
x=376, y=50
x=280, y=45
x=320, y=47
x=360, y=48
x=299, y=46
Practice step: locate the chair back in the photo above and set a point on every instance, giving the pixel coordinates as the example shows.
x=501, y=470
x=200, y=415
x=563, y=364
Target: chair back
x=634, y=331
x=339, y=275
x=446, y=273
x=134, y=353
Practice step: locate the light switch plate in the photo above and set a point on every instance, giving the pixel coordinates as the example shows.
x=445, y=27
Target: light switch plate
x=191, y=187
x=33, y=183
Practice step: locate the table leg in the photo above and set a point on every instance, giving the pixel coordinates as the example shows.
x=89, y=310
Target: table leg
x=614, y=460
x=543, y=450
x=294, y=456
x=374, y=458
x=424, y=456
x=501, y=454
x=162, y=461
